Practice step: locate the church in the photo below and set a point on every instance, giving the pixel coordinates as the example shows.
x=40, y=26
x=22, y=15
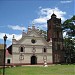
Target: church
x=34, y=49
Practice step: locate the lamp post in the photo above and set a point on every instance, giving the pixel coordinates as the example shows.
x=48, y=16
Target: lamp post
x=5, y=37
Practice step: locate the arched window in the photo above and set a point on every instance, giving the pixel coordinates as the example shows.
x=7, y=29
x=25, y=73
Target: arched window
x=8, y=61
x=44, y=49
x=21, y=49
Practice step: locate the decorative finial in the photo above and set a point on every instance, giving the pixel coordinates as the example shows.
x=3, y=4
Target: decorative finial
x=33, y=26
x=13, y=36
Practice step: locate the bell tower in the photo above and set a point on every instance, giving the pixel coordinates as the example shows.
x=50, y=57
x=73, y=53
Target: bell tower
x=54, y=32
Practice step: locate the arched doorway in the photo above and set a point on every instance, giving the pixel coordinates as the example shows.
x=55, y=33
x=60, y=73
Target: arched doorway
x=33, y=60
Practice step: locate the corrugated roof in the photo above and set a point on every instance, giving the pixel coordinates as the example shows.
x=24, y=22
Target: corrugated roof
x=10, y=49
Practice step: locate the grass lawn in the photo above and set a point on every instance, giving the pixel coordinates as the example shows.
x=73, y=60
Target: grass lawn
x=40, y=70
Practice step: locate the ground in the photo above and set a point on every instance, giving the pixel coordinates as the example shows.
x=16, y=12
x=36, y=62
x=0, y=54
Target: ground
x=40, y=70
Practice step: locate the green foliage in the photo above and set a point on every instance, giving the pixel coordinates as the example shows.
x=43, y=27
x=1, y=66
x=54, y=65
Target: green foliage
x=69, y=40
x=73, y=18
x=69, y=27
x=44, y=33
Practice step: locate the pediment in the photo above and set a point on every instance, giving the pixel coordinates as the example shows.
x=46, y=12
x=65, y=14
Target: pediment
x=26, y=40
x=34, y=33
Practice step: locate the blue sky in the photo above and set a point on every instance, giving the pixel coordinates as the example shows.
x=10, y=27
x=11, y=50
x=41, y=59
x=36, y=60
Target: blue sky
x=17, y=15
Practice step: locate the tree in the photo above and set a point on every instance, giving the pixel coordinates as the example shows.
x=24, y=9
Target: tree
x=69, y=40
x=44, y=33
x=69, y=27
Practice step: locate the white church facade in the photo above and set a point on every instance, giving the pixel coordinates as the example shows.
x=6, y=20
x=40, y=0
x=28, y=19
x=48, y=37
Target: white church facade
x=31, y=49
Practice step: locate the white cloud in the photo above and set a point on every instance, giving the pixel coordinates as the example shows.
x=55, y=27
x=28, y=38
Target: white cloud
x=17, y=27
x=40, y=20
x=41, y=26
x=17, y=36
x=66, y=1
x=45, y=14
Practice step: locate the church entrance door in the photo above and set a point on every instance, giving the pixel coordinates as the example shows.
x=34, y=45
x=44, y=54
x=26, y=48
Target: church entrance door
x=33, y=60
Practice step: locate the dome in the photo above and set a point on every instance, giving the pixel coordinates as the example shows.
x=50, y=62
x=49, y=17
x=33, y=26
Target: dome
x=53, y=15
